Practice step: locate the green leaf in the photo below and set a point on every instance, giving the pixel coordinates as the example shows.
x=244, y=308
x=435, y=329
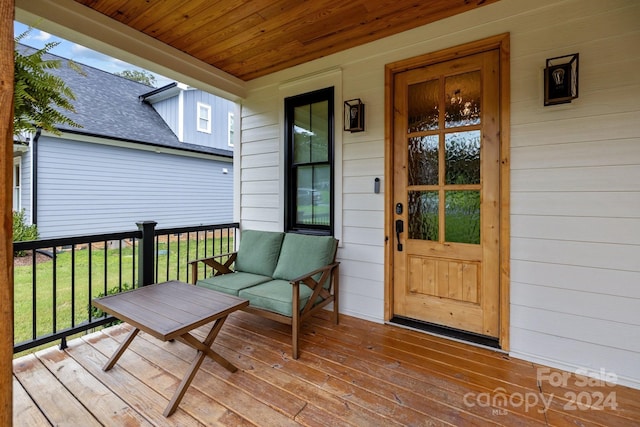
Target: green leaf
x=40, y=98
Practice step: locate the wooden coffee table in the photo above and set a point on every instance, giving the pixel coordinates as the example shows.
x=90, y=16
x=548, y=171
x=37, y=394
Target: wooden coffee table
x=170, y=311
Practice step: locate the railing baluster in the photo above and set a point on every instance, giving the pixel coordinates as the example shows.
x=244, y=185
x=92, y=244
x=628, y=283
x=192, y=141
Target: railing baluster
x=168, y=253
x=81, y=280
x=198, y=246
x=54, y=291
x=188, y=254
x=90, y=281
x=73, y=285
x=105, y=280
x=33, y=295
x=120, y=242
x=178, y=258
x=134, y=284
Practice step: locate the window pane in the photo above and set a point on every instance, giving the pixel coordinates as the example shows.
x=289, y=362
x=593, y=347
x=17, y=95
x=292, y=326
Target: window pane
x=311, y=133
x=462, y=162
x=320, y=131
x=309, y=169
x=302, y=134
x=423, y=106
x=423, y=215
x=313, y=201
x=462, y=216
x=463, y=99
x=423, y=160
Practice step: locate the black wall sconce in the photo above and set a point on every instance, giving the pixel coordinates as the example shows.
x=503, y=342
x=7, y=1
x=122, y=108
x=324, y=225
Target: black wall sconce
x=354, y=115
x=561, y=79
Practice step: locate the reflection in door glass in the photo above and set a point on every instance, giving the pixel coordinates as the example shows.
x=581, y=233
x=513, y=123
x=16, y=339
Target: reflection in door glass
x=462, y=216
x=462, y=95
x=423, y=215
x=423, y=160
x=462, y=157
x=423, y=106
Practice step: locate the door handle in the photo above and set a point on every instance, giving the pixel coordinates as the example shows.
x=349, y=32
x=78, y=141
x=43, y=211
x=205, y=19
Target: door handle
x=399, y=229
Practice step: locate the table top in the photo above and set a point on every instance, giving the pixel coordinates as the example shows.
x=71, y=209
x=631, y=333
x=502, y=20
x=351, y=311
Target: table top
x=170, y=309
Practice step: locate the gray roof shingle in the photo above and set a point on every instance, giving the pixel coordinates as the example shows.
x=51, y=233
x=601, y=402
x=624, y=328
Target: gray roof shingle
x=109, y=106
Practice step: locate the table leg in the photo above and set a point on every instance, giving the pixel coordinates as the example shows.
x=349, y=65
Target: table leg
x=204, y=349
x=121, y=349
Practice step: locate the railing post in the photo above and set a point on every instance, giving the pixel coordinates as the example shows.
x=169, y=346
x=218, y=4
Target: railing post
x=146, y=257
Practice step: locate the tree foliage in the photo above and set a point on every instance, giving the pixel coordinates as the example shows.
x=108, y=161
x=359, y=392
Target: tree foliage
x=40, y=98
x=139, y=76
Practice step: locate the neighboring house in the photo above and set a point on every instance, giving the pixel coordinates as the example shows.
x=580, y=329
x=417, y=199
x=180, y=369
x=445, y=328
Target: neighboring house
x=141, y=154
x=563, y=231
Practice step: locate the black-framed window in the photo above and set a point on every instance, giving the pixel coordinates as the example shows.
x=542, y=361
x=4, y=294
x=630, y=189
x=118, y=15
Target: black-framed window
x=309, y=122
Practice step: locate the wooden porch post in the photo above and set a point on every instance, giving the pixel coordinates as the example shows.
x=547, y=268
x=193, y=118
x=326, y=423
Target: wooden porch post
x=6, y=207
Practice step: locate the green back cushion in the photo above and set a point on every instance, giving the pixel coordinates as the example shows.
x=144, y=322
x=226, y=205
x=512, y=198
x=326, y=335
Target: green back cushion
x=302, y=254
x=258, y=252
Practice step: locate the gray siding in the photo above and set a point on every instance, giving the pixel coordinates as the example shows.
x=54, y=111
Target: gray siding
x=88, y=188
x=170, y=112
x=220, y=109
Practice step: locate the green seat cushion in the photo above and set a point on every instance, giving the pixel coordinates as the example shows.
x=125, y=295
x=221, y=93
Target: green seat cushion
x=276, y=296
x=232, y=283
x=301, y=254
x=258, y=252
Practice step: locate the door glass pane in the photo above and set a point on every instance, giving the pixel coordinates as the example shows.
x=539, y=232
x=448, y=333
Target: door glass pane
x=423, y=215
x=462, y=97
x=462, y=157
x=423, y=106
x=312, y=201
x=423, y=160
x=311, y=133
x=462, y=216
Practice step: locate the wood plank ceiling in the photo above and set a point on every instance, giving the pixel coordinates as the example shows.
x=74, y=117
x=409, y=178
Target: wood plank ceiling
x=252, y=38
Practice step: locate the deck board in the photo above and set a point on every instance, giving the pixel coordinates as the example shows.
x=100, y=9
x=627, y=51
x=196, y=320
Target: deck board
x=357, y=373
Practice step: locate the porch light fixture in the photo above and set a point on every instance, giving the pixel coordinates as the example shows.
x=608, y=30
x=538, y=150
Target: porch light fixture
x=354, y=115
x=561, y=79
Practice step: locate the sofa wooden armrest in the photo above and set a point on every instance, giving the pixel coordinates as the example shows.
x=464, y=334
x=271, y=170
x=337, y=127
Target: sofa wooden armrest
x=285, y=277
x=218, y=267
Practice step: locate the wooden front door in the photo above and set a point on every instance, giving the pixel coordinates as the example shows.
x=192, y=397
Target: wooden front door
x=446, y=192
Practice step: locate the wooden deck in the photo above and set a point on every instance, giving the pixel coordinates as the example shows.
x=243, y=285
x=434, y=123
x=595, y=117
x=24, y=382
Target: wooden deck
x=359, y=373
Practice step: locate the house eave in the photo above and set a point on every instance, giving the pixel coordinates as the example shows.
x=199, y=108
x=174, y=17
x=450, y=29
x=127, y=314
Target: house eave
x=189, y=150
x=78, y=23
x=162, y=93
x=19, y=148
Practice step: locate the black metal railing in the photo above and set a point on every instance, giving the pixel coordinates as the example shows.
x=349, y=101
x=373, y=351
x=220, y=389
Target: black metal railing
x=56, y=279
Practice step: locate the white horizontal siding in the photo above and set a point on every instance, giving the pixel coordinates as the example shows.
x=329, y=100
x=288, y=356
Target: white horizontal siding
x=588, y=279
x=587, y=229
x=260, y=198
x=575, y=174
x=88, y=188
x=613, y=204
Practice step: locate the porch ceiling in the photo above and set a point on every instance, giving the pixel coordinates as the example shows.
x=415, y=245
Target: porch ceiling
x=252, y=38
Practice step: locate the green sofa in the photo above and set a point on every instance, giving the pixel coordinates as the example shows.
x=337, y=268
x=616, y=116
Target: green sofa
x=285, y=276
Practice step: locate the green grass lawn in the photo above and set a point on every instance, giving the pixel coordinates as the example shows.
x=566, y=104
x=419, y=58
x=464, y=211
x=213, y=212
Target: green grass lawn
x=96, y=272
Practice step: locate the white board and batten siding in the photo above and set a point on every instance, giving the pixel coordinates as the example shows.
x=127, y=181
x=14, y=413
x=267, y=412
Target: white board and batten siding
x=575, y=175
x=172, y=189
